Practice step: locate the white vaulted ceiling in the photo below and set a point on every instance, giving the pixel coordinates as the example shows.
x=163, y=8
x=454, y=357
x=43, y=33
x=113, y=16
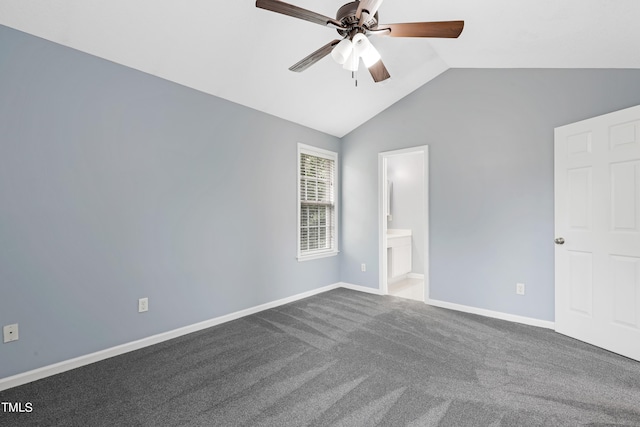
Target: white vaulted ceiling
x=235, y=51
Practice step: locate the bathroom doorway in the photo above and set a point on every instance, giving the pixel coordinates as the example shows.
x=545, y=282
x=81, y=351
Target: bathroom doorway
x=404, y=222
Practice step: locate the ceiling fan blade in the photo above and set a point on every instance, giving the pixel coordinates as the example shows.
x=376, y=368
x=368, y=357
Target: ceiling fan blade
x=443, y=29
x=314, y=57
x=370, y=6
x=379, y=72
x=297, y=12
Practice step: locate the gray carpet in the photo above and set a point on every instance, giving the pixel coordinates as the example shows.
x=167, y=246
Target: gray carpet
x=345, y=358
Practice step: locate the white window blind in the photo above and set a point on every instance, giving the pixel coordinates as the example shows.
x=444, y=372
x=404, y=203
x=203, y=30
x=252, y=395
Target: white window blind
x=317, y=219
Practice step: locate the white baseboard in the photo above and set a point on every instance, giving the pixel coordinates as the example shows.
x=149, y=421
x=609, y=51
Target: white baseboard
x=67, y=365
x=392, y=280
x=495, y=314
x=359, y=288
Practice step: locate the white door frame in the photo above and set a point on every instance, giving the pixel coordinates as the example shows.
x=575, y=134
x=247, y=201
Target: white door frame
x=382, y=214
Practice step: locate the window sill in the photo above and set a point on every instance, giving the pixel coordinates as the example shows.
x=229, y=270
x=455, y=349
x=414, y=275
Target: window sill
x=319, y=255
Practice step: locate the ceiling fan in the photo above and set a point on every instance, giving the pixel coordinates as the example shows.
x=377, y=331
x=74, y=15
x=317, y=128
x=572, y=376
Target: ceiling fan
x=355, y=21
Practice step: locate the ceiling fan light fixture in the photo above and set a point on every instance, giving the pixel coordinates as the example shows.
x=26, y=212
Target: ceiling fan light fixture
x=341, y=51
x=360, y=44
x=370, y=56
x=351, y=63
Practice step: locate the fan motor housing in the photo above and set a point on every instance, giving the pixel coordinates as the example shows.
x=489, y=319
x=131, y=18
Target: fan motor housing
x=347, y=15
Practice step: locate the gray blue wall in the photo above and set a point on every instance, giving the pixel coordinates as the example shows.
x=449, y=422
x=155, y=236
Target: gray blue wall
x=116, y=185
x=490, y=137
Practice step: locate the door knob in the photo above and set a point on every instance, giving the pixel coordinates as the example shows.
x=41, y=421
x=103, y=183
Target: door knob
x=559, y=241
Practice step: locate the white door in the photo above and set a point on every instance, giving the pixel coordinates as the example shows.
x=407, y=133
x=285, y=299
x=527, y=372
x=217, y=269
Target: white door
x=597, y=214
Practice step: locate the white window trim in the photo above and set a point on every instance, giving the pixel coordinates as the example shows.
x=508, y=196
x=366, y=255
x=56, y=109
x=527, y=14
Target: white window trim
x=319, y=152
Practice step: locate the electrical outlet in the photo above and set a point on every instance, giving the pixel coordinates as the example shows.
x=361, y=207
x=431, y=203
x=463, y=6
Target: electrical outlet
x=10, y=332
x=363, y=267
x=143, y=305
x=520, y=288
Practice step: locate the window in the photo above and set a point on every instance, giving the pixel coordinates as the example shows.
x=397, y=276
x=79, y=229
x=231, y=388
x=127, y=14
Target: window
x=317, y=207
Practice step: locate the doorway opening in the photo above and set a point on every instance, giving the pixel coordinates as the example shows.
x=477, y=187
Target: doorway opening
x=403, y=189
